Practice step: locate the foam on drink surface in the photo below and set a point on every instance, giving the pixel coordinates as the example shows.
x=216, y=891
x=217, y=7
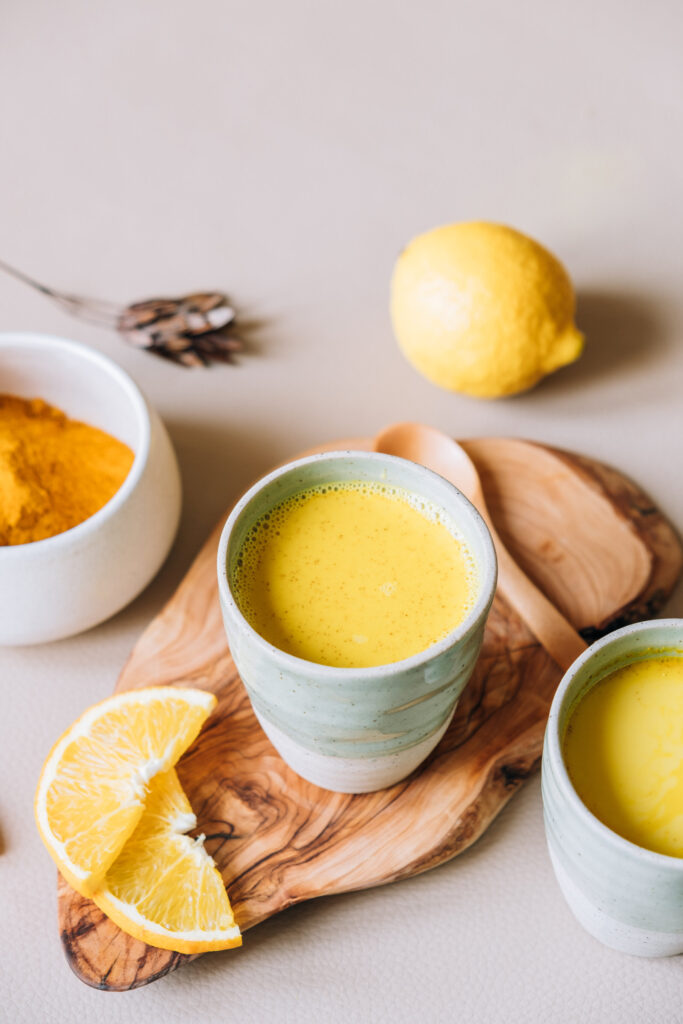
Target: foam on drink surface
x=354, y=575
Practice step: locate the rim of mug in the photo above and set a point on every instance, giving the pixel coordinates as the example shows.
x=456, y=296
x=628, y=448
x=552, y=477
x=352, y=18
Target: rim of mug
x=49, y=343
x=487, y=582
x=553, y=750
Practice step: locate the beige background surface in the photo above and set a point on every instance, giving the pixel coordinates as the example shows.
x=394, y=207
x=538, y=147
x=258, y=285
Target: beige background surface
x=285, y=152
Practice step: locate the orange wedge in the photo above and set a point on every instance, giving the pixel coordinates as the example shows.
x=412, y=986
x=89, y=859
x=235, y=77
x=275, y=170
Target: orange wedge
x=164, y=888
x=92, y=789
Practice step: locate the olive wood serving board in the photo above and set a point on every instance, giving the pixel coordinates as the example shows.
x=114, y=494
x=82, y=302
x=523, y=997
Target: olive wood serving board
x=587, y=536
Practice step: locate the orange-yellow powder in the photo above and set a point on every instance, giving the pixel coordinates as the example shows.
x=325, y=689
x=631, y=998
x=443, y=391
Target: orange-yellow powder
x=54, y=472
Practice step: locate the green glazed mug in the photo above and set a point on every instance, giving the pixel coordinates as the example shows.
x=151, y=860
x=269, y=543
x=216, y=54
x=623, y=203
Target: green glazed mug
x=355, y=730
x=628, y=897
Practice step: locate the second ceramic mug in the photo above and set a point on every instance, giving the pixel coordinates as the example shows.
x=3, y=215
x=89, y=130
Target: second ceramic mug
x=626, y=896
x=355, y=730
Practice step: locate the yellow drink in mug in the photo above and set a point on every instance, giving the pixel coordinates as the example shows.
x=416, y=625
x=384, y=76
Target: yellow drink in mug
x=624, y=753
x=354, y=575
x=613, y=788
x=355, y=588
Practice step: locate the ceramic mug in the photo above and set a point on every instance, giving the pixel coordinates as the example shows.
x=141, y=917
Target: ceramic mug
x=355, y=730
x=628, y=897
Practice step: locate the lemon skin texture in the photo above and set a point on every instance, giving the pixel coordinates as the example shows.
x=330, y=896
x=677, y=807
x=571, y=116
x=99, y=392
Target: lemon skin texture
x=482, y=309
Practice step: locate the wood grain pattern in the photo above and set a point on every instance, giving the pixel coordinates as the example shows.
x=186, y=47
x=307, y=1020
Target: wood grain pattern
x=598, y=548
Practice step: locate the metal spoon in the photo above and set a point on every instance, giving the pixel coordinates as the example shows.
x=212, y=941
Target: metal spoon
x=440, y=453
x=192, y=330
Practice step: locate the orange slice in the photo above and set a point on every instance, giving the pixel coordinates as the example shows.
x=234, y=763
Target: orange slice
x=164, y=888
x=93, y=786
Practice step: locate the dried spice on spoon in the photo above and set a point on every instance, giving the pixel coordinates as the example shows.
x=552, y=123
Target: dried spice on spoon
x=193, y=330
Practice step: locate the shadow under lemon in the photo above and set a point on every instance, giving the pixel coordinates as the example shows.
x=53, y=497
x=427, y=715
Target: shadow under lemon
x=625, y=333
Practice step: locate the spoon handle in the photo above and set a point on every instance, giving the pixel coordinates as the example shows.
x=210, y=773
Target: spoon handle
x=562, y=642
x=192, y=330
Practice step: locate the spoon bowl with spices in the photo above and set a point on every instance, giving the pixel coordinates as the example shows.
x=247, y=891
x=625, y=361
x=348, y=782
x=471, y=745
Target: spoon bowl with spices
x=89, y=489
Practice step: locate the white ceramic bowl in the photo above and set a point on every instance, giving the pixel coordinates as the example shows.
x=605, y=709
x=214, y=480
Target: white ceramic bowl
x=627, y=897
x=56, y=587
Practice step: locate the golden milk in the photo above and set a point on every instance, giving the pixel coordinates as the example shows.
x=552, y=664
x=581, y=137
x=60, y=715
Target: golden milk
x=624, y=753
x=354, y=575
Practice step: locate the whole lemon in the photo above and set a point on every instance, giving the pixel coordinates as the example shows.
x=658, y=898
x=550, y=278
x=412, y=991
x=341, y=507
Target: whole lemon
x=483, y=309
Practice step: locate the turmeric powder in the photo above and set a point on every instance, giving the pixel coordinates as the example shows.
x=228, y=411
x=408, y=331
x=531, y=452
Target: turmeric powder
x=54, y=472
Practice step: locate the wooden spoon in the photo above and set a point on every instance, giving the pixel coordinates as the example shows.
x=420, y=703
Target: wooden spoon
x=444, y=456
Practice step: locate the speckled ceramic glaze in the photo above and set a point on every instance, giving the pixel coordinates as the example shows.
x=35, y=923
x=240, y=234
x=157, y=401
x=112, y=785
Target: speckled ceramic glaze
x=627, y=897
x=355, y=730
